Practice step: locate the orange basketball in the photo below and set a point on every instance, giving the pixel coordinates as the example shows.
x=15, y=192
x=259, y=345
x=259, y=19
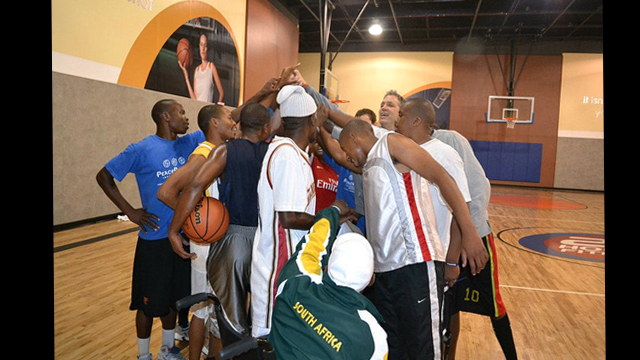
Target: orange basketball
x=184, y=53
x=208, y=222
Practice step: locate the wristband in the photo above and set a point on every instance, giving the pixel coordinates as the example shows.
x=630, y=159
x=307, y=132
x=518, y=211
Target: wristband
x=304, y=84
x=451, y=264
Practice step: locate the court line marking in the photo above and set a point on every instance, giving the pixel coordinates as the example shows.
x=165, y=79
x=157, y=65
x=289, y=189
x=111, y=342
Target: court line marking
x=553, y=291
x=94, y=240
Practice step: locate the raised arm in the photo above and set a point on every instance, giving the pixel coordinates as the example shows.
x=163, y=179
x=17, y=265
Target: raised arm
x=262, y=96
x=192, y=93
x=330, y=144
x=313, y=250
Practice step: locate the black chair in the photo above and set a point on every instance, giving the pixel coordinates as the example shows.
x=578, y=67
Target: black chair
x=235, y=345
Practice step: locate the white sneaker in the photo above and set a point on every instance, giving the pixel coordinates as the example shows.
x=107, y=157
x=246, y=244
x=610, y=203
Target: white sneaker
x=181, y=333
x=167, y=353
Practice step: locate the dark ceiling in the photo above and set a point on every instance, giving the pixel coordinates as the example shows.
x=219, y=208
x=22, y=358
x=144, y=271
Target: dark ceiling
x=414, y=25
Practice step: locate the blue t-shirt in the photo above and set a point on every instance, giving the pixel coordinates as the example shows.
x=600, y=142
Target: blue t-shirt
x=152, y=160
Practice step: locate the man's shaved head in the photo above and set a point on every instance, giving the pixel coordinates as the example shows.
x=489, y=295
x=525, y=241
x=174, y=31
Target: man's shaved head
x=354, y=140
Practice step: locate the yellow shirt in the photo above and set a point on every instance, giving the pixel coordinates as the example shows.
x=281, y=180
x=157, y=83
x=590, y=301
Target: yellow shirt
x=204, y=149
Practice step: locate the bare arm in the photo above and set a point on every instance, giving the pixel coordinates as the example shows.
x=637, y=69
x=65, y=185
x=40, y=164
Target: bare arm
x=216, y=80
x=406, y=152
x=138, y=216
x=263, y=96
x=192, y=193
x=170, y=190
x=296, y=220
x=192, y=93
x=451, y=273
x=332, y=146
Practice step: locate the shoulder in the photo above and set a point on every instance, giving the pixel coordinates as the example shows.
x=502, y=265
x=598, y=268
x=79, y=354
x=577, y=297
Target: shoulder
x=195, y=137
x=438, y=146
x=284, y=147
x=203, y=149
x=143, y=146
x=450, y=136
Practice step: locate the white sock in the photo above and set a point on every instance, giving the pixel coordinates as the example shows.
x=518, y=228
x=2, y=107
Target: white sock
x=143, y=346
x=168, y=337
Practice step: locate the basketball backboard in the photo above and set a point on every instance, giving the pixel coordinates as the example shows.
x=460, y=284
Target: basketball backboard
x=331, y=85
x=510, y=109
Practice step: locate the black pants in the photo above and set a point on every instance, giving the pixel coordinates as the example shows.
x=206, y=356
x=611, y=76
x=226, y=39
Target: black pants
x=410, y=301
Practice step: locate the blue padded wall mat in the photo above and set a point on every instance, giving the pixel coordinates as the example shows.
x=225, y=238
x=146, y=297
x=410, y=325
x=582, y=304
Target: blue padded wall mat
x=509, y=161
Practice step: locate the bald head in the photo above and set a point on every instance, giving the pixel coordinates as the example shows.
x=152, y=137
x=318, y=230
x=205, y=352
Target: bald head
x=415, y=119
x=421, y=108
x=356, y=139
x=361, y=128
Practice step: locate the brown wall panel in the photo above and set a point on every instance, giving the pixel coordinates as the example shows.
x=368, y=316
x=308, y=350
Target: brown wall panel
x=272, y=44
x=476, y=77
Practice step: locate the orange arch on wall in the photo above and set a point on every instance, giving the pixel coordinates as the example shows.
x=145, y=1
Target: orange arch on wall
x=139, y=61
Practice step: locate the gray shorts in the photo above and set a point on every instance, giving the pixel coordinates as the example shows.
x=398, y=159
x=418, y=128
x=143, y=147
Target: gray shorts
x=229, y=271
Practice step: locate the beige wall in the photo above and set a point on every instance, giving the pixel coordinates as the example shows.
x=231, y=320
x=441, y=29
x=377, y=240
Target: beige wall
x=365, y=77
x=582, y=96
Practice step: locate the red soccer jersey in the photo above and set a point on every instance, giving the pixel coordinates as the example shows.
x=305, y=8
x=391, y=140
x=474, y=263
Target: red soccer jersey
x=326, y=183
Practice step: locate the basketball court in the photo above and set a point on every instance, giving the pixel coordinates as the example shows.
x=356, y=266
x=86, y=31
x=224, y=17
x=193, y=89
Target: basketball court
x=555, y=300
x=522, y=81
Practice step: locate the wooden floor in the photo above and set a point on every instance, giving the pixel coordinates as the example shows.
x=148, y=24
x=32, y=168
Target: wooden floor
x=556, y=305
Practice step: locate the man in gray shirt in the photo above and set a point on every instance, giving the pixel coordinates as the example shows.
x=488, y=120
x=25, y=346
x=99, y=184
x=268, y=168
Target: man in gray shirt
x=488, y=300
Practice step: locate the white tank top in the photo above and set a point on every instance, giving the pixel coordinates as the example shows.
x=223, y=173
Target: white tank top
x=400, y=220
x=204, y=84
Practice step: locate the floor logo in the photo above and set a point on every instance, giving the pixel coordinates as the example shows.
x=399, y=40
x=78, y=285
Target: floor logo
x=586, y=247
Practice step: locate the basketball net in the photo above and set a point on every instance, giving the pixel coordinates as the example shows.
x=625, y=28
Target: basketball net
x=511, y=122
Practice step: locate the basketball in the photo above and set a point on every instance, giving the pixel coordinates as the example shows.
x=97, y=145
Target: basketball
x=208, y=222
x=184, y=53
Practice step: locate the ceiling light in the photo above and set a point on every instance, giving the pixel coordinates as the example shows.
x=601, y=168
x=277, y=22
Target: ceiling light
x=375, y=29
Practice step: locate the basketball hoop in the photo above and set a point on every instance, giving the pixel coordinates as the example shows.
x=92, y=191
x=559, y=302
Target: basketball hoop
x=511, y=122
x=342, y=104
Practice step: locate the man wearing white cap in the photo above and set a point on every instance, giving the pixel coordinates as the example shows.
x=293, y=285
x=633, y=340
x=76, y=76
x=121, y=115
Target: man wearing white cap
x=320, y=314
x=286, y=200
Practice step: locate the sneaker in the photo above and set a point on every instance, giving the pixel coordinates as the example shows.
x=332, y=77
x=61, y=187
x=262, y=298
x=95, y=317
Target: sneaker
x=167, y=353
x=181, y=333
x=145, y=357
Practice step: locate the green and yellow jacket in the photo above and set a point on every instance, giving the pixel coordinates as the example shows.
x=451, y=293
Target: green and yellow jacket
x=313, y=318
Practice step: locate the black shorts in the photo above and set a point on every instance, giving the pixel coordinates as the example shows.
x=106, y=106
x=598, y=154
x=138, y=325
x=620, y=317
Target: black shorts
x=410, y=299
x=160, y=278
x=479, y=294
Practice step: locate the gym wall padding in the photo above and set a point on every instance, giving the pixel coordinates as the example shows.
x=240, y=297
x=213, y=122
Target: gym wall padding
x=509, y=161
x=93, y=121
